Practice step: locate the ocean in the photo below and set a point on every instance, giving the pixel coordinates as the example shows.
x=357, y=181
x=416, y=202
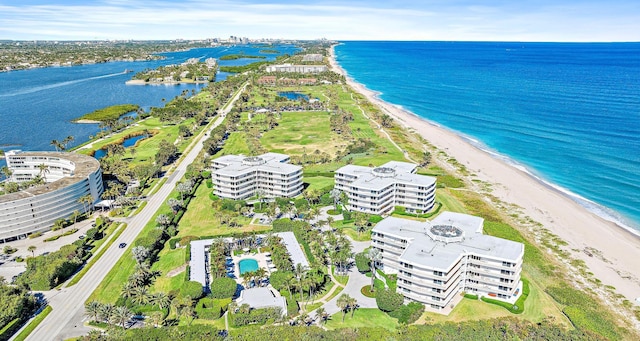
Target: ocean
x=567, y=113
x=38, y=105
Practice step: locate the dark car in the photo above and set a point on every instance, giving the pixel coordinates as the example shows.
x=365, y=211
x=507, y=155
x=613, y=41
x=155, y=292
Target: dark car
x=122, y=245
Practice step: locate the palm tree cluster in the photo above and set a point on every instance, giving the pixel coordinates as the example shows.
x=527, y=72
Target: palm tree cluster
x=108, y=313
x=347, y=303
x=137, y=286
x=62, y=145
x=339, y=250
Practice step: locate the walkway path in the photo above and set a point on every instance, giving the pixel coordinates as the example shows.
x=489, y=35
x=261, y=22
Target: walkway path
x=68, y=304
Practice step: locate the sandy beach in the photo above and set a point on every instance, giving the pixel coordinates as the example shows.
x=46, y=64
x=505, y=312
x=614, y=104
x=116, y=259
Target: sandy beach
x=615, y=252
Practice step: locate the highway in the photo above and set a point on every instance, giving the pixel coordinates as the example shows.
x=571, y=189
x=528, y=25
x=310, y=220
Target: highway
x=65, y=321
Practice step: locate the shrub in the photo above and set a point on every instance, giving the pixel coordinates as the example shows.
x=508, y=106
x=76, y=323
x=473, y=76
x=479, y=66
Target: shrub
x=388, y=300
x=173, y=242
x=471, y=296
x=223, y=287
x=35, y=235
x=362, y=262
x=409, y=313
x=374, y=219
x=94, y=233
x=278, y=279
x=255, y=316
x=209, y=183
x=213, y=196
x=192, y=289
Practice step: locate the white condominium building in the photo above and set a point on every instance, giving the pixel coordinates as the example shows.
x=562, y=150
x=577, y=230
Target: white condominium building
x=240, y=177
x=437, y=260
x=379, y=190
x=297, y=68
x=67, y=176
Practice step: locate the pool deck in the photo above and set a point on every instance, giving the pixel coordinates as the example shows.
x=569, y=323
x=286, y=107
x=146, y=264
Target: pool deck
x=261, y=257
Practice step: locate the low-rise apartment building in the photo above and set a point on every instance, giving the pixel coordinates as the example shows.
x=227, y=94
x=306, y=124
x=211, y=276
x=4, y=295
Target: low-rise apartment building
x=378, y=190
x=239, y=177
x=297, y=68
x=437, y=260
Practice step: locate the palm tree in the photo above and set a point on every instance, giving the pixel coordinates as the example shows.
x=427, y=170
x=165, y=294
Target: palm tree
x=157, y=318
x=121, y=315
x=259, y=275
x=140, y=296
x=322, y=314
x=75, y=216
x=128, y=289
x=189, y=313
x=246, y=278
x=106, y=310
x=162, y=300
x=6, y=171
x=44, y=169
x=56, y=144
x=299, y=272
x=86, y=200
x=353, y=305
x=32, y=249
x=343, y=303
x=374, y=257
x=93, y=309
x=140, y=254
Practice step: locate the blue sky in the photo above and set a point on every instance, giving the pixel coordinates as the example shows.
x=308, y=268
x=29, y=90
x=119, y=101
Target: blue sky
x=503, y=20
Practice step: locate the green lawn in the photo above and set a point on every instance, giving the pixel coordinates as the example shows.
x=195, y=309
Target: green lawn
x=33, y=324
x=449, y=203
x=365, y=317
x=235, y=144
x=201, y=220
x=318, y=182
x=302, y=132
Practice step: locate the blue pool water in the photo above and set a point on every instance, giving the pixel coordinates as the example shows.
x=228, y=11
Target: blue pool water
x=248, y=265
x=568, y=113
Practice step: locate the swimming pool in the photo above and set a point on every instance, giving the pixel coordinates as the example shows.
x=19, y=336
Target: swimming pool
x=248, y=265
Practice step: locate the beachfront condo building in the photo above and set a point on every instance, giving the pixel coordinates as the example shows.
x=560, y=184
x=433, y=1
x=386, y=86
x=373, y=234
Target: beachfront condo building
x=437, y=260
x=270, y=175
x=297, y=68
x=67, y=177
x=378, y=190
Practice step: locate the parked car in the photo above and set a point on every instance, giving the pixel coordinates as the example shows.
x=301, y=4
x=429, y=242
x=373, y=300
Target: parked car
x=122, y=245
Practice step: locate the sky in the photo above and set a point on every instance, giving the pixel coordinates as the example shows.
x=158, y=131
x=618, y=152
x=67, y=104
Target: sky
x=455, y=20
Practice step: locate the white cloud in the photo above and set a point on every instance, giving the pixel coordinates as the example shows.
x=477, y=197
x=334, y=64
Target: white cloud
x=119, y=19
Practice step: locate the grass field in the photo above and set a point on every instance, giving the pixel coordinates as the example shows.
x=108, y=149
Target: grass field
x=301, y=133
x=318, y=182
x=33, y=324
x=365, y=317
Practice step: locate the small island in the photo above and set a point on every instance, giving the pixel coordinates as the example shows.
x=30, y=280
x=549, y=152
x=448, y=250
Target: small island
x=241, y=56
x=191, y=71
x=269, y=51
x=111, y=113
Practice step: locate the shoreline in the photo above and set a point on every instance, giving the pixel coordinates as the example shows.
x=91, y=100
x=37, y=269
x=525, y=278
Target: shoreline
x=617, y=257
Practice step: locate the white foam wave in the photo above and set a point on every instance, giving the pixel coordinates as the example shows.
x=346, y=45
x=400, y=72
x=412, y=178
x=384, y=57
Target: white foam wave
x=56, y=85
x=592, y=206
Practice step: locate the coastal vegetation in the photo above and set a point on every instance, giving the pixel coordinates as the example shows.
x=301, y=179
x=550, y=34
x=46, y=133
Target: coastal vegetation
x=191, y=71
x=243, y=68
x=241, y=56
x=111, y=113
x=271, y=51
x=19, y=55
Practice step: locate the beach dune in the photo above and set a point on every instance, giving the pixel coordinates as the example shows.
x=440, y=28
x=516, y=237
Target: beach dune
x=611, y=252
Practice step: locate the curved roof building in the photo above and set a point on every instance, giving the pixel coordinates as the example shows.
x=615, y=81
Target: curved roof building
x=67, y=176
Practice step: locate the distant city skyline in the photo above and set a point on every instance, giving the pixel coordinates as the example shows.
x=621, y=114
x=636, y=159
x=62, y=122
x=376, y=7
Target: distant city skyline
x=472, y=20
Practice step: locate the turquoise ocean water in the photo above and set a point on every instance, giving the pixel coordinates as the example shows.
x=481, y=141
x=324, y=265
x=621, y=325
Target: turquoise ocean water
x=567, y=113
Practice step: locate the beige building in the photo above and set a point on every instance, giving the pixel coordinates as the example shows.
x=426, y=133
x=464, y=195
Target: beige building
x=437, y=260
x=378, y=190
x=240, y=177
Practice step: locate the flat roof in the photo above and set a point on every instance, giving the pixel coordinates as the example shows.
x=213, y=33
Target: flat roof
x=402, y=174
x=272, y=162
x=84, y=165
x=423, y=250
x=294, y=248
x=262, y=297
x=197, y=267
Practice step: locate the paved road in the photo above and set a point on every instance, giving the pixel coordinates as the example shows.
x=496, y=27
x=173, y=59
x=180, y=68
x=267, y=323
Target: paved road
x=65, y=321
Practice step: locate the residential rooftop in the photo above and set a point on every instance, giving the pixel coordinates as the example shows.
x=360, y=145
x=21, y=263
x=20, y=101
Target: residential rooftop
x=84, y=165
x=441, y=242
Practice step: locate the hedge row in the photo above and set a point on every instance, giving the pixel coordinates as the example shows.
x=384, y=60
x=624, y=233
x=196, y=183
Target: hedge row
x=402, y=211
